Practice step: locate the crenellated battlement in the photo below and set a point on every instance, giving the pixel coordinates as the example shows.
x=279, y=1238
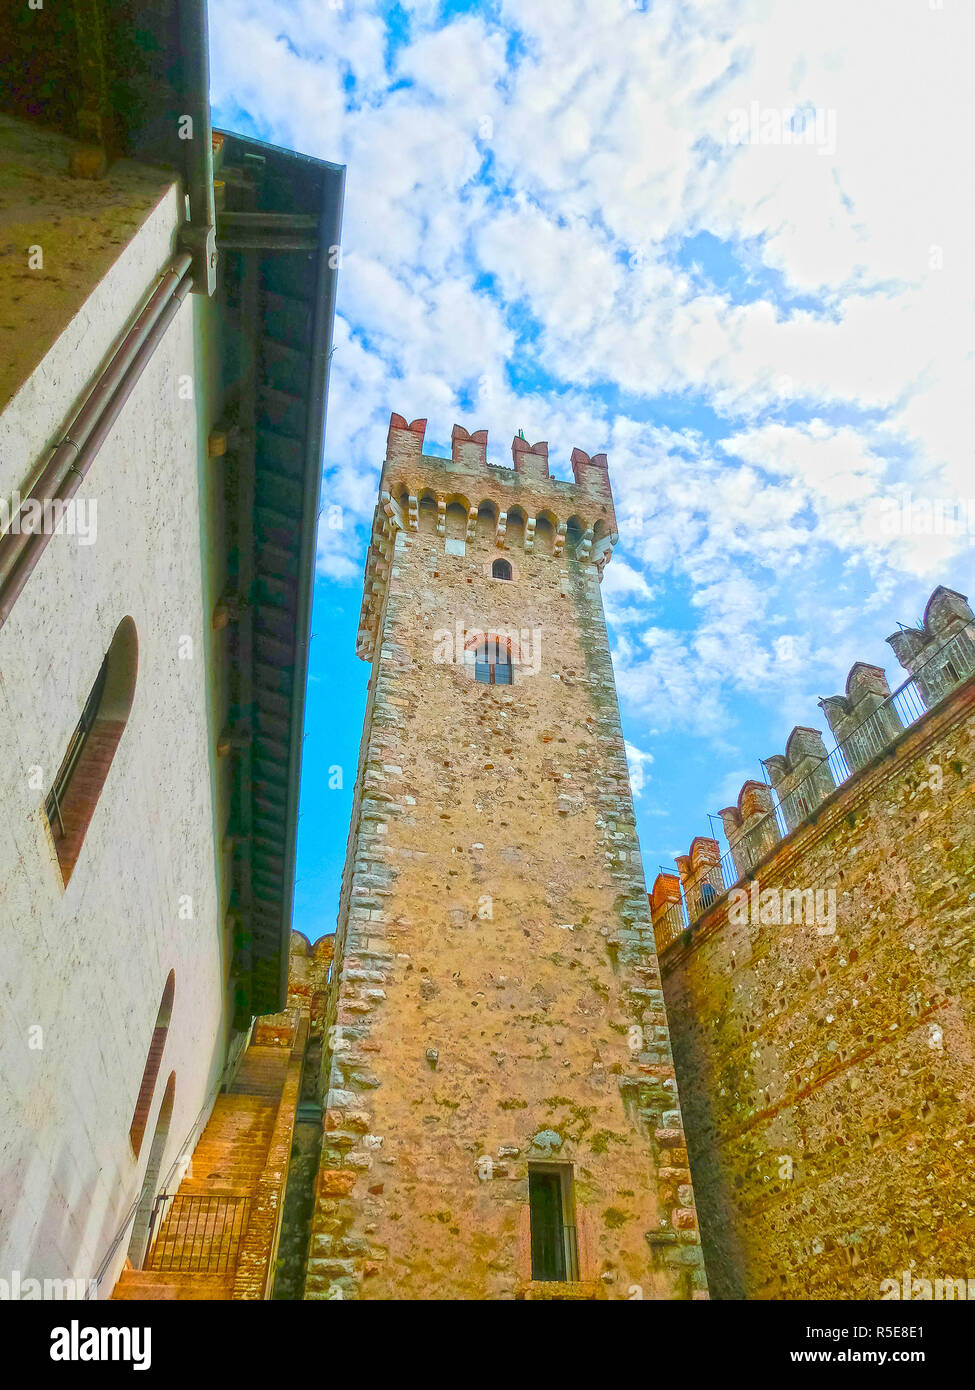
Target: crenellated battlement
x=465, y=499
x=749, y=825
x=801, y=776
x=939, y=655
x=590, y=496
x=866, y=702
x=696, y=869
x=946, y=622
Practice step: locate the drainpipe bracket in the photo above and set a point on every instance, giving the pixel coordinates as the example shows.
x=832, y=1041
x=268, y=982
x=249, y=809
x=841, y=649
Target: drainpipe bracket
x=201, y=243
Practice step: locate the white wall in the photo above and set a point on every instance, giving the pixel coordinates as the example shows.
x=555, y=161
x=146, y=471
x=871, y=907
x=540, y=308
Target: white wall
x=87, y=964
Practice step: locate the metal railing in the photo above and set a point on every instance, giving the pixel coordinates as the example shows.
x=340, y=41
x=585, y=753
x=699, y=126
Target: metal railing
x=174, y=1175
x=197, y=1233
x=947, y=667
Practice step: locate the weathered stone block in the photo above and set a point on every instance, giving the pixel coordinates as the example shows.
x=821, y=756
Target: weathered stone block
x=335, y=1182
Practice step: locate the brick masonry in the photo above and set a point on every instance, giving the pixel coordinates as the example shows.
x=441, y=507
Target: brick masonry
x=828, y=1077
x=84, y=789
x=496, y=997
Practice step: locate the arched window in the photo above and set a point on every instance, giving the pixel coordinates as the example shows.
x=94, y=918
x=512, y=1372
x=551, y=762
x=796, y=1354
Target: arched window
x=75, y=791
x=492, y=662
x=143, y=1104
x=501, y=569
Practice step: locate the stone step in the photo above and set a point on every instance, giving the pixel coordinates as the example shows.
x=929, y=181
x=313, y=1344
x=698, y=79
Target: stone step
x=145, y=1285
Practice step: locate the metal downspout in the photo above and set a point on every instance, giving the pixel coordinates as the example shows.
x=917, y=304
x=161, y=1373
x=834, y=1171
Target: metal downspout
x=67, y=452
x=101, y=410
x=199, y=234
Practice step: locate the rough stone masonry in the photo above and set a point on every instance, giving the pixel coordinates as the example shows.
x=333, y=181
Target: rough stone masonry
x=495, y=1000
x=830, y=1066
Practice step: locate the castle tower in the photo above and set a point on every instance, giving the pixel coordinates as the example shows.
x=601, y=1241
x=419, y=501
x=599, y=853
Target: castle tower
x=500, y=1107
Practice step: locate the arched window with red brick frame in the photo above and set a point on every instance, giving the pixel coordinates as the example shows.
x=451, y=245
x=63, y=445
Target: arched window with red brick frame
x=143, y=1104
x=492, y=661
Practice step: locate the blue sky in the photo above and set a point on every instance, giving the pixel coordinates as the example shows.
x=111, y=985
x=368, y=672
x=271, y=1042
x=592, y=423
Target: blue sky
x=723, y=242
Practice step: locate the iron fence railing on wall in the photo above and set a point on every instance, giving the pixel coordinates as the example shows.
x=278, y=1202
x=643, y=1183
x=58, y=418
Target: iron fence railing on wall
x=197, y=1233
x=953, y=662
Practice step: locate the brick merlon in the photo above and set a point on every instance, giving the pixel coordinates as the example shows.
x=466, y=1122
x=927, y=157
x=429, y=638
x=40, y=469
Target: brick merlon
x=803, y=742
x=753, y=799
x=945, y=613
x=664, y=894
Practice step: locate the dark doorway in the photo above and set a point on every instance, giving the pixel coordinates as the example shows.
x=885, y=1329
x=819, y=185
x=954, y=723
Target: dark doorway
x=552, y=1228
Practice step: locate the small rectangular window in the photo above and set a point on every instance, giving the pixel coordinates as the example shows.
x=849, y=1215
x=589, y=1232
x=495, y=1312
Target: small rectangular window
x=553, y=1232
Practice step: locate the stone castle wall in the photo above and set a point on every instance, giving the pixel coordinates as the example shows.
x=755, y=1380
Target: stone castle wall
x=308, y=971
x=827, y=1066
x=496, y=997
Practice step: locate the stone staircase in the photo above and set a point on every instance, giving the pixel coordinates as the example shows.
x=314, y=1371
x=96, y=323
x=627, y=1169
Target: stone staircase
x=228, y=1162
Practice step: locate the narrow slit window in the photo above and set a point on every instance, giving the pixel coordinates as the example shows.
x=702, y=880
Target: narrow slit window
x=157, y=1043
x=553, y=1232
x=492, y=663
x=57, y=796
x=74, y=793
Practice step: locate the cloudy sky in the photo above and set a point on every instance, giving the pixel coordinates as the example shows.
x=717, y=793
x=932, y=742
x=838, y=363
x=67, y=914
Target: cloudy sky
x=729, y=243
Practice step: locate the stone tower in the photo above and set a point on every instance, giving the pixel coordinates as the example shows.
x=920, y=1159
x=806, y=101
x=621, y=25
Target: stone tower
x=500, y=1108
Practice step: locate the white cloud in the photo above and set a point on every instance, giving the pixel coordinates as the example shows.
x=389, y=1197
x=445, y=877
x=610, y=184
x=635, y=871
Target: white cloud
x=565, y=179
x=638, y=761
